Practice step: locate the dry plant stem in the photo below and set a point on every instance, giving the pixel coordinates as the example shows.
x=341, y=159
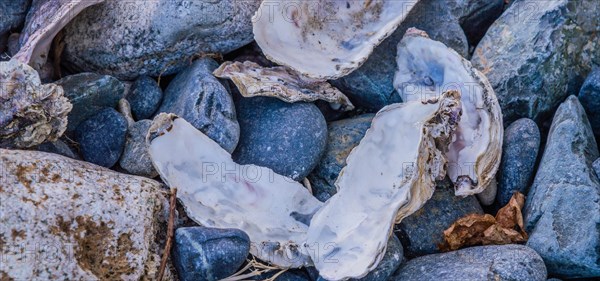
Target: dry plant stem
x=170, y=228
x=258, y=269
x=307, y=184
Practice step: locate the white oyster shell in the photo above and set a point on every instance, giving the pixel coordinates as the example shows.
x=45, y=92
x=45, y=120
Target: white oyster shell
x=280, y=82
x=427, y=68
x=389, y=175
x=325, y=39
x=272, y=209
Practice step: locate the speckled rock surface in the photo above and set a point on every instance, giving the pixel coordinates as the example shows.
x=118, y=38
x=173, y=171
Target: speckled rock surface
x=596, y=166
x=145, y=97
x=289, y=138
x=211, y=254
x=76, y=221
x=422, y=231
x=519, y=152
x=12, y=14
x=155, y=37
x=102, y=137
x=371, y=85
x=343, y=136
x=562, y=211
x=136, y=158
x=506, y=262
x=589, y=96
x=198, y=97
x=90, y=93
x=531, y=77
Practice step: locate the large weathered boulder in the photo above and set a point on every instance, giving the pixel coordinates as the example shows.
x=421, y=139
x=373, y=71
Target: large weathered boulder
x=70, y=220
x=562, y=212
x=131, y=38
x=538, y=52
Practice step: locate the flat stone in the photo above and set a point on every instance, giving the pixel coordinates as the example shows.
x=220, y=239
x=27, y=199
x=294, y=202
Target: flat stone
x=145, y=97
x=210, y=254
x=519, y=152
x=198, y=97
x=596, y=166
x=506, y=262
x=102, y=137
x=155, y=37
x=289, y=138
x=562, y=211
x=589, y=96
x=66, y=219
x=371, y=86
x=136, y=158
x=343, y=136
x=90, y=93
x=539, y=52
x=423, y=231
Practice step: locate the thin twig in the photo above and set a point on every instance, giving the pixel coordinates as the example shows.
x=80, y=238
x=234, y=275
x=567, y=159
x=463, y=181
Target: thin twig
x=308, y=185
x=165, y=257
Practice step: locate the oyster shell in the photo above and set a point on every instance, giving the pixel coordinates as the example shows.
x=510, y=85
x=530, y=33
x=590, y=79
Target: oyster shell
x=30, y=113
x=280, y=82
x=44, y=21
x=389, y=175
x=325, y=39
x=427, y=68
x=272, y=209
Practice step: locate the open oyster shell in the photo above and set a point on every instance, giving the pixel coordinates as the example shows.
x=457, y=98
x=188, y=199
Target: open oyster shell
x=30, y=113
x=280, y=82
x=325, y=39
x=44, y=21
x=272, y=209
x=388, y=176
x=427, y=68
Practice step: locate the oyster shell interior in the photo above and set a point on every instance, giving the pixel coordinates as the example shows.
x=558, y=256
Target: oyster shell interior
x=388, y=176
x=427, y=68
x=273, y=210
x=325, y=39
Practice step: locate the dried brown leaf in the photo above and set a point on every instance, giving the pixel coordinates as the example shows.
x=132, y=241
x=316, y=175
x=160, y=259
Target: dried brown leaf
x=476, y=229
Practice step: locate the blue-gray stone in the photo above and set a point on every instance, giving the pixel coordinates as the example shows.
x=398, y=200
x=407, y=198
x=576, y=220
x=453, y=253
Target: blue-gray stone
x=562, y=211
x=476, y=16
x=519, y=153
x=596, y=166
x=57, y=147
x=423, y=231
x=90, y=93
x=208, y=254
x=136, y=158
x=589, y=96
x=153, y=38
x=198, y=97
x=12, y=14
x=505, y=262
x=343, y=136
x=539, y=52
x=144, y=98
x=289, y=138
x=101, y=138
x=371, y=86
